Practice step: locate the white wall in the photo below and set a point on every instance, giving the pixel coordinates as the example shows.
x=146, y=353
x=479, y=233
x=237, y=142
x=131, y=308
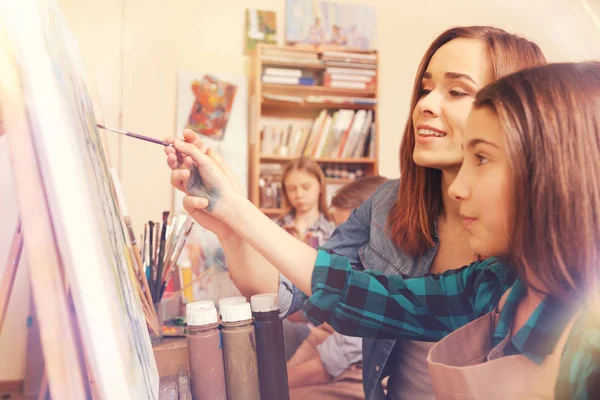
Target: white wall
x=136, y=48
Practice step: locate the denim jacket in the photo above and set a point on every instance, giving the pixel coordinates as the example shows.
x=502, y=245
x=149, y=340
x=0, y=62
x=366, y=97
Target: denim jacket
x=363, y=240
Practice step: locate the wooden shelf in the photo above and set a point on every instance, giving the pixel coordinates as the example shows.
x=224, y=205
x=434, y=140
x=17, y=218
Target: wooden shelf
x=311, y=48
x=318, y=90
x=265, y=110
x=319, y=106
x=362, y=160
x=292, y=64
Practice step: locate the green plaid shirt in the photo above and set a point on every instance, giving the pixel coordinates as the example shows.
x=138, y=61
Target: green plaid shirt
x=370, y=304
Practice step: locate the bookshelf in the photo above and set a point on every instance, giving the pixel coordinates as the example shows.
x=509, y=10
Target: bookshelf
x=305, y=105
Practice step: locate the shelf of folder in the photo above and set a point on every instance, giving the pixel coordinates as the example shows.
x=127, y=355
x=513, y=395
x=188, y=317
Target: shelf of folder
x=361, y=160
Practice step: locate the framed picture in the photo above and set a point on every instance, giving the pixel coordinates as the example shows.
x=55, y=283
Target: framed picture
x=261, y=27
x=330, y=24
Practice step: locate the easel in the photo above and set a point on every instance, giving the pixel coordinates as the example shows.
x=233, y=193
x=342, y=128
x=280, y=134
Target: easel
x=6, y=288
x=65, y=371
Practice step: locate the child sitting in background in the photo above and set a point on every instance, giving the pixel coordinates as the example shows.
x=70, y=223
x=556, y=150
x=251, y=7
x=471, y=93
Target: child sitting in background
x=306, y=218
x=327, y=365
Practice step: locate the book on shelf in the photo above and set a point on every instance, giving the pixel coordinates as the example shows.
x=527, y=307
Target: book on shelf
x=269, y=184
x=288, y=76
x=274, y=56
x=349, y=78
x=340, y=134
x=288, y=80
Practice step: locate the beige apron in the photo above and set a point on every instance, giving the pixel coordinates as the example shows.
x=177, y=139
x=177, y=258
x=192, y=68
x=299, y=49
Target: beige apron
x=464, y=365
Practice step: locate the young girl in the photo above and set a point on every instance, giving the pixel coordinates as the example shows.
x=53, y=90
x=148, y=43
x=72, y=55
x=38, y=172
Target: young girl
x=306, y=218
x=410, y=226
x=529, y=191
x=305, y=197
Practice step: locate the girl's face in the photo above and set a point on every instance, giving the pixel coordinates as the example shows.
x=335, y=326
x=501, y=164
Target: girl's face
x=455, y=73
x=483, y=185
x=302, y=190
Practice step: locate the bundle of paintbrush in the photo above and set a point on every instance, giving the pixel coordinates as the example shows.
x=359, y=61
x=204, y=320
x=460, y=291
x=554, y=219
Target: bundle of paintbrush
x=163, y=244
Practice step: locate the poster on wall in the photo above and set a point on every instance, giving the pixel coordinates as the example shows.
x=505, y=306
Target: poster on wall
x=203, y=249
x=340, y=25
x=56, y=112
x=261, y=27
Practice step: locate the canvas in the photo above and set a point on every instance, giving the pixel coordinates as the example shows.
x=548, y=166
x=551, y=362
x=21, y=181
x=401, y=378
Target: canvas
x=330, y=24
x=261, y=27
x=233, y=146
x=75, y=179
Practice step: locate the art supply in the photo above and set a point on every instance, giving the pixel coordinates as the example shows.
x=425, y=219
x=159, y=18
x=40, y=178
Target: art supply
x=161, y=254
x=185, y=269
x=150, y=254
x=270, y=348
x=239, y=352
x=230, y=300
x=134, y=135
x=205, y=352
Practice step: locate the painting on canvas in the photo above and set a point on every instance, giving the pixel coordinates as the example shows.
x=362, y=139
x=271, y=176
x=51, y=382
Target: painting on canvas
x=210, y=111
x=261, y=27
x=203, y=248
x=330, y=24
x=74, y=175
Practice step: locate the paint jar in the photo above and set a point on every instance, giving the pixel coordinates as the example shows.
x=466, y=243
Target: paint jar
x=156, y=338
x=270, y=348
x=231, y=300
x=205, y=351
x=185, y=269
x=239, y=352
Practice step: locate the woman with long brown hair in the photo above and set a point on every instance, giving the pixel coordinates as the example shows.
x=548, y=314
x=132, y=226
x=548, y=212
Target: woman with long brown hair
x=410, y=226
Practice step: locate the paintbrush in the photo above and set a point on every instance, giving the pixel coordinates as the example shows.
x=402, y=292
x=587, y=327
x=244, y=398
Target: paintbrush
x=173, y=262
x=134, y=135
x=161, y=251
x=150, y=254
x=138, y=258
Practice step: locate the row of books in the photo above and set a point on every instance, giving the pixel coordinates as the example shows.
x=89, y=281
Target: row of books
x=288, y=76
x=275, y=55
x=329, y=58
x=341, y=78
x=342, y=134
x=342, y=171
x=345, y=59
